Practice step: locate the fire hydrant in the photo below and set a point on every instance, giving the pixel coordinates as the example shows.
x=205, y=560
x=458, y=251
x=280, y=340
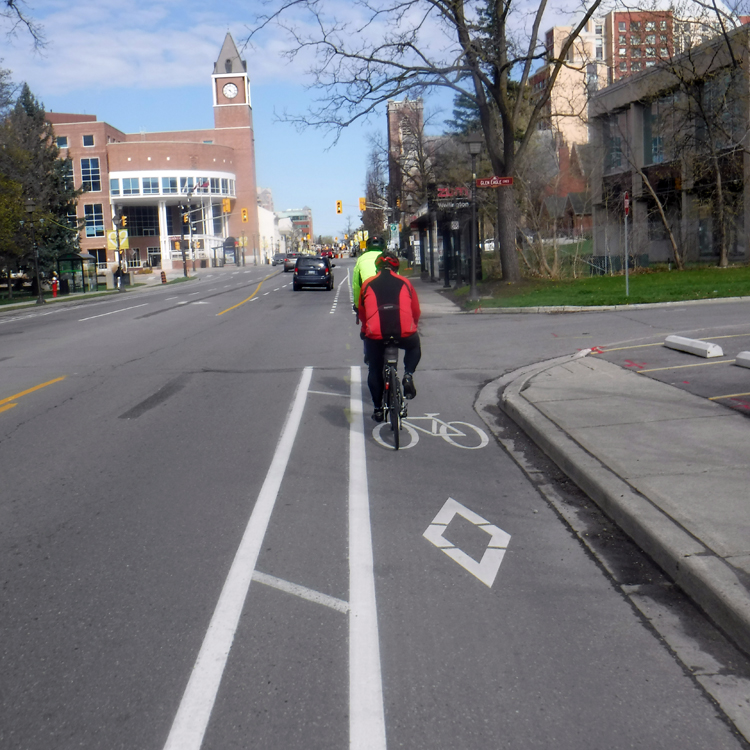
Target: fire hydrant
x=54, y=286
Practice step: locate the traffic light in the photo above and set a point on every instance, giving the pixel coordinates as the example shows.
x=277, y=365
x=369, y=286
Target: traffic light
x=177, y=245
x=398, y=202
x=226, y=206
x=185, y=218
x=339, y=207
x=244, y=215
x=363, y=204
x=123, y=221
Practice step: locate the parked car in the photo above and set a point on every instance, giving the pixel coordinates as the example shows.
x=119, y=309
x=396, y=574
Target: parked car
x=277, y=259
x=327, y=253
x=313, y=271
x=289, y=260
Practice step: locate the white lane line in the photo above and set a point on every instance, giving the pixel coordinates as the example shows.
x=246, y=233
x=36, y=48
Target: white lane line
x=302, y=591
x=80, y=320
x=366, y=712
x=192, y=717
x=212, y=289
x=169, y=298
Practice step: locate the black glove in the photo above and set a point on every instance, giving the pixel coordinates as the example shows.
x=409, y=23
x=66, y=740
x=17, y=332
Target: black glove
x=362, y=335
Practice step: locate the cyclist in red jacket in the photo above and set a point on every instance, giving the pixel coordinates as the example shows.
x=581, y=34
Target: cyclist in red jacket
x=388, y=306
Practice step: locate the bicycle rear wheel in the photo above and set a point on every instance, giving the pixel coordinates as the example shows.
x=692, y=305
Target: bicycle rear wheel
x=394, y=408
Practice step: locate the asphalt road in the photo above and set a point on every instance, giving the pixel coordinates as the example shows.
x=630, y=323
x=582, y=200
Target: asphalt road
x=204, y=544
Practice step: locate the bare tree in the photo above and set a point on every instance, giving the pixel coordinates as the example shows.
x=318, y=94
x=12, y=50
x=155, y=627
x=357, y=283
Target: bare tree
x=398, y=48
x=15, y=18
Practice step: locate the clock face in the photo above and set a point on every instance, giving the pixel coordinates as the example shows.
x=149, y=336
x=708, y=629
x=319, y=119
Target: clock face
x=230, y=91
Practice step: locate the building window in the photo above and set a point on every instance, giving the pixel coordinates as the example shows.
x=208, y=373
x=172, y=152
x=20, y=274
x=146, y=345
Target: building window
x=622, y=52
x=232, y=190
x=650, y=38
x=88, y=140
x=635, y=66
x=114, y=186
x=143, y=221
x=663, y=52
x=90, y=175
x=635, y=25
x=621, y=26
x=154, y=256
x=186, y=184
x=623, y=39
x=131, y=186
x=94, y=220
x=215, y=189
x=62, y=141
x=224, y=186
x=201, y=184
x=599, y=30
x=599, y=53
x=650, y=52
x=635, y=38
x=208, y=142
x=168, y=185
x=635, y=52
x=623, y=66
x=151, y=186
x=67, y=174
x=650, y=63
x=663, y=25
x=650, y=25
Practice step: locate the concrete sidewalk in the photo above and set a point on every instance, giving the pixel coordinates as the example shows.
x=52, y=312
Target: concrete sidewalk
x=670, y=468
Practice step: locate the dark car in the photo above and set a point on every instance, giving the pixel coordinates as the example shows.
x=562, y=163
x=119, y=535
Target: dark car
x=277, y=259
x=290, y=260
x=313, y=271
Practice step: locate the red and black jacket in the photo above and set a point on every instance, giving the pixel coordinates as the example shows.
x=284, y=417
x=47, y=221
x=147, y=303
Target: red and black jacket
x=388, y=306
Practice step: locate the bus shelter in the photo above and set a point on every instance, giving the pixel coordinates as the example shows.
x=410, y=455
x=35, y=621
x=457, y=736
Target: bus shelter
x=77, y=273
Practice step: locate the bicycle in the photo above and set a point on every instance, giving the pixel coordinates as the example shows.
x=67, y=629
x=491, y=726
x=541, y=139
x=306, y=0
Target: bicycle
x=393, y=404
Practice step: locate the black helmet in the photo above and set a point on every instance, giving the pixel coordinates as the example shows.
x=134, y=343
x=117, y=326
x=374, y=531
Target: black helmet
x=376, y=243
x=387, y=259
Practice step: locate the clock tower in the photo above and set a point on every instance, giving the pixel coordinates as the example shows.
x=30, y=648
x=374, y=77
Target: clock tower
x=233, y=127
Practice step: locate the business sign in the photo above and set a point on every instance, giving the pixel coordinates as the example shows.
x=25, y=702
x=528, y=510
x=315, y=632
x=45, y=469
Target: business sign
x=453, y=192
x=493, y=182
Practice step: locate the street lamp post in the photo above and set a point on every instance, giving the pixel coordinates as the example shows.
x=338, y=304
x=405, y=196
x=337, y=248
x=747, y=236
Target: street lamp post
x=475, y=147
x=30, y=208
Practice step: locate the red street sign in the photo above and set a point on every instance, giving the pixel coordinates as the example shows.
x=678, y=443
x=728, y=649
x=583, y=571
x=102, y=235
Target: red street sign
x=627, y=204
x=493, y=182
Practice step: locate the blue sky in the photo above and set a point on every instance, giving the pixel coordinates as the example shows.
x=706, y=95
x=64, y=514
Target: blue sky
x=146, y=66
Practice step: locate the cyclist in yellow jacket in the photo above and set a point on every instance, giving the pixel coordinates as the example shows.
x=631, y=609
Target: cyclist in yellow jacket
x=365, y=266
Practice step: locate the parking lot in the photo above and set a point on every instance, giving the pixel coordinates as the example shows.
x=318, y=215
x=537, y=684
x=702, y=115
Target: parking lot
x=718, y=379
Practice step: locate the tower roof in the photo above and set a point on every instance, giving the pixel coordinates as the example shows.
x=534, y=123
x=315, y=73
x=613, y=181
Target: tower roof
x=229, y=60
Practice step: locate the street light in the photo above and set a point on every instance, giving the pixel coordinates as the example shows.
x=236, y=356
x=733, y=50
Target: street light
x=30, y=208
x=475, y=148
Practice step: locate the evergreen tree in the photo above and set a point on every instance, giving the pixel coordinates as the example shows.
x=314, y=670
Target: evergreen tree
x=29, y=157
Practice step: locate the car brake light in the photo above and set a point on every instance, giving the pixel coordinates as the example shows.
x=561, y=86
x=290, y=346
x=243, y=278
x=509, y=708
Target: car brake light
x=326, y=272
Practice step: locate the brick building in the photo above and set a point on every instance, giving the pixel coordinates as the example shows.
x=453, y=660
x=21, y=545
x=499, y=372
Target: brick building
x=172, y=188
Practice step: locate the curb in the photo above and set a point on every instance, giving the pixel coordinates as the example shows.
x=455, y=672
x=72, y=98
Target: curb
x=699, y=572
x=559, y=310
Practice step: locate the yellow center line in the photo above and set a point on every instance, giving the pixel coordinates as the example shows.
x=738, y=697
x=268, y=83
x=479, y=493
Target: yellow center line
x=257, y=288
x=6, y=407
x=699, y=364
x=730, y=336
x=732, y=395
x=31, y=390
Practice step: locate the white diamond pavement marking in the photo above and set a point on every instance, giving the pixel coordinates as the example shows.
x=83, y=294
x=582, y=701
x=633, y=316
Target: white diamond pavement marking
x=486, y=569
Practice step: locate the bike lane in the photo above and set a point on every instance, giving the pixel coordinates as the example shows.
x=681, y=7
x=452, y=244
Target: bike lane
x=496, y=628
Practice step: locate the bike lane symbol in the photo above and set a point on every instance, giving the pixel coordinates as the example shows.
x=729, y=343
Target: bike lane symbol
x=487, y=568
x=457, y=434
